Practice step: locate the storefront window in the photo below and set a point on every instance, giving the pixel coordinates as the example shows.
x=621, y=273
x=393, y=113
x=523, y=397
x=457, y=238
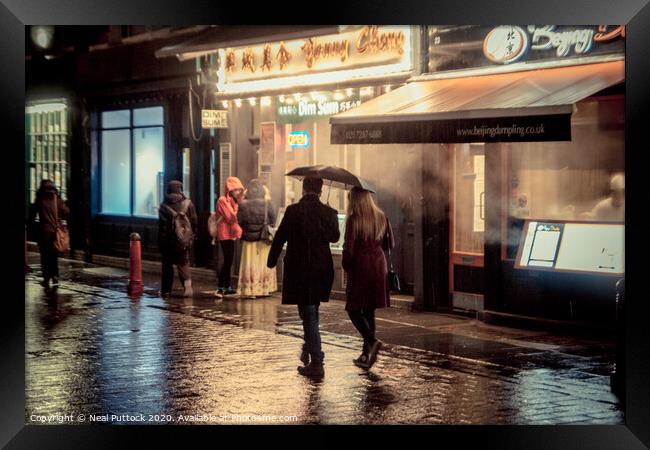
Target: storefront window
x=148, y=143
x=582, y=179
x=116, y=172
x=469, y=198
x=131, y=161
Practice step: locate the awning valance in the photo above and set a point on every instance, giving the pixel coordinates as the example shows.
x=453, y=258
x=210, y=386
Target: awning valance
x=534, y=105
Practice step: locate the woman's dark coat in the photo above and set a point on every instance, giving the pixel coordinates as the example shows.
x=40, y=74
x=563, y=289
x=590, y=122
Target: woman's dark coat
x=44, y=207
x=250, y=215
x=308, y=228
x=365, y=263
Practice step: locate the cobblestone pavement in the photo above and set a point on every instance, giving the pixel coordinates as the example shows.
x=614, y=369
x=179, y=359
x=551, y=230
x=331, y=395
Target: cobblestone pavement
x=91, y=350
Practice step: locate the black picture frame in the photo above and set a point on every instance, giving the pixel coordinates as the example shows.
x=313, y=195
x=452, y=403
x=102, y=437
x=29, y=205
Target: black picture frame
x=635, y=14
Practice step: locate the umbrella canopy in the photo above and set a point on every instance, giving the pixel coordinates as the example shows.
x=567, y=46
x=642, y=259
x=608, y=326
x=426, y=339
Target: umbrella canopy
x=336, y=176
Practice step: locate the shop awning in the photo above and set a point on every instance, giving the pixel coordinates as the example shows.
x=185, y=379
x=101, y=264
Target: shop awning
x=534, y=105
x=234, y=36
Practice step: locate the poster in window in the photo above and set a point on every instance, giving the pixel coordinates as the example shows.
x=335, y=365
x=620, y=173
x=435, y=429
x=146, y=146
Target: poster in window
x=267, y=143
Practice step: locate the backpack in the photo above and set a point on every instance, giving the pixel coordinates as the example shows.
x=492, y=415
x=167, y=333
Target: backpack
x=181, y=227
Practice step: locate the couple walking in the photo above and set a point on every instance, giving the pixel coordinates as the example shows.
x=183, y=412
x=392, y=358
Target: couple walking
x=308, y=228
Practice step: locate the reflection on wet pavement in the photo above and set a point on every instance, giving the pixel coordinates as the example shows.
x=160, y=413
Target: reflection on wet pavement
x=90, y=349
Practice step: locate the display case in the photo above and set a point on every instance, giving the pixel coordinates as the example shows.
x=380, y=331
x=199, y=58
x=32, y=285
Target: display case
x=47, y=139
x=572, y=246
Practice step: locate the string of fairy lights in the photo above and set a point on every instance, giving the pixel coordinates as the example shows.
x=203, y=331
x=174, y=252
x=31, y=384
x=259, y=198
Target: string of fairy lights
x=290, y=99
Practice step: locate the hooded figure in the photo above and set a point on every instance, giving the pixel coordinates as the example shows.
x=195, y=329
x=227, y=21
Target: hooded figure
x=177, y=201
x=250, y=214
x=228, y=230
x=255, y=212
x=49, y=207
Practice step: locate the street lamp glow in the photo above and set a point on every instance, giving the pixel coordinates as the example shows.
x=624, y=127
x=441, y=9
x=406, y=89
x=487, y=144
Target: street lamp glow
x=252, y=101
x=225, y=104
x=238, y=102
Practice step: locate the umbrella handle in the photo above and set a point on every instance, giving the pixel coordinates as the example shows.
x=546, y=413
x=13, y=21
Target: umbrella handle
x=329, y=190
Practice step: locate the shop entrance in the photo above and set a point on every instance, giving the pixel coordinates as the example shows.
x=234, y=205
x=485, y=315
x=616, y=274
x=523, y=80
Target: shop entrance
x=467, y=225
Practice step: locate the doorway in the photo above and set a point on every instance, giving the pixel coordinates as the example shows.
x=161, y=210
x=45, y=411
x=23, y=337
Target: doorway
x=467, y=225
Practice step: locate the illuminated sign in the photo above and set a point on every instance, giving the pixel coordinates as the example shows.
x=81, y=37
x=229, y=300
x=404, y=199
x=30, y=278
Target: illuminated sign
x=213, y=118
x=452, y=48
x=317, y=106
x=298, y=139
x=364, y=51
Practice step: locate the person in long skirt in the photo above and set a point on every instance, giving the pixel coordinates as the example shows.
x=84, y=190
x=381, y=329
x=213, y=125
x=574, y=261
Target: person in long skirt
x=367, y=234
x=49, y=207
x=255, y=212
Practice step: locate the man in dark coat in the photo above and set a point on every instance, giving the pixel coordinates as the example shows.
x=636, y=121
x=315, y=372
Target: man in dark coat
x=49, y=207
x=176, y=200
x=308, y=228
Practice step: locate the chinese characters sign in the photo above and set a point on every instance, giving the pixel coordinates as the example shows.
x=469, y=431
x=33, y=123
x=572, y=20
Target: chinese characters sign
x=455, y=47
x=362, y=47
x=308, y=109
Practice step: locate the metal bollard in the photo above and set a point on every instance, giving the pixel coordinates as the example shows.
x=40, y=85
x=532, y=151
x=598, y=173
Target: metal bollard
x=135, y=288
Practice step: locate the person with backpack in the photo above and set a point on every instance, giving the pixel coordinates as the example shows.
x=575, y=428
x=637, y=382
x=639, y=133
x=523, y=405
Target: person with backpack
x=256, y=217
x=50, y=209
x=228, y=231
x=177, y=226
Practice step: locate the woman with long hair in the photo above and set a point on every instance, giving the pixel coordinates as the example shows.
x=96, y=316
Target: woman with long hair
x=367, y=234
x=256, y=212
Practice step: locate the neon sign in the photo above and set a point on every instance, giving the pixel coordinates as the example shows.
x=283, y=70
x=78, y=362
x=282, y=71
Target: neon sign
x=298, y=139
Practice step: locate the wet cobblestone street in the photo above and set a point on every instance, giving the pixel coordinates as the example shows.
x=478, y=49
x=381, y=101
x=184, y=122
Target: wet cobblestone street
x=90, y=349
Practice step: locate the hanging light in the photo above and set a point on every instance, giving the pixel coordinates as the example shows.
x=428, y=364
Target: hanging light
x=338, y=96
x=225, y=104
x=252, y=101
x=387, y=88
x=281, y=98
x=289, y=101
x=265, y=101
x=367, y=91
x=238, y=102
x=297, y=96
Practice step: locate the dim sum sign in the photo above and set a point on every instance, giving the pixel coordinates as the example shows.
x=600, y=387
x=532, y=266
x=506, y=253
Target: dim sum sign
x=213, y=118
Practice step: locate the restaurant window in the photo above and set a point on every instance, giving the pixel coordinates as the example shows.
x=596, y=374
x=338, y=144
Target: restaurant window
x=469, y=198
x=570, y=180
x=46, y=126
x=132, y=148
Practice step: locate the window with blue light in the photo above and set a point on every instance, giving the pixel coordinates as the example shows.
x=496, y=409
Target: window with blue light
x=131, y=161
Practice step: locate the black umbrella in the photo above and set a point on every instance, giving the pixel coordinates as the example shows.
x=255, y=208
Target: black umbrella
x=336, y=176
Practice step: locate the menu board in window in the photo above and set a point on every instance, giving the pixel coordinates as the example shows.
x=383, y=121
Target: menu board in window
x=573, y=247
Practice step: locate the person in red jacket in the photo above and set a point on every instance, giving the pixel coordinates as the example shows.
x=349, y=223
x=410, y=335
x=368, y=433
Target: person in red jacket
x=228, y=231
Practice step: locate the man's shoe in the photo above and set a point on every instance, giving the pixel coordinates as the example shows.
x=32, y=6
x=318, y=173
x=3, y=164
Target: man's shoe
x=218, y=293
x=304, y=357
x=45, y=283
x=229, y=291
x=55, y=280
x=312, y=370
x=372, y=353
x=361, y=361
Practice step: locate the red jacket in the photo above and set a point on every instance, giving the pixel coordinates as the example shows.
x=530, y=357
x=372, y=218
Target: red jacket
x=226, y=207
